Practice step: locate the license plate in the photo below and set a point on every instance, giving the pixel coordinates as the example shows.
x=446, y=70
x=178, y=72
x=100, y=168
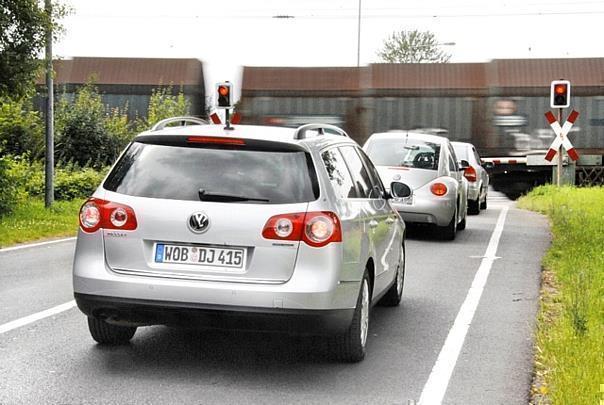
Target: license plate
x=200, y=255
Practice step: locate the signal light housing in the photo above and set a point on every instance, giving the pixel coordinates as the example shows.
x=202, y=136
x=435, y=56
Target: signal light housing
x=98, y=214
x=224, y=95
x=560, y=94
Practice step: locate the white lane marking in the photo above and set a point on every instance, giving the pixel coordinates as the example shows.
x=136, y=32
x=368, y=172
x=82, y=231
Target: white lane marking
x=436, y=386
x=17, y=323
x=50, y=242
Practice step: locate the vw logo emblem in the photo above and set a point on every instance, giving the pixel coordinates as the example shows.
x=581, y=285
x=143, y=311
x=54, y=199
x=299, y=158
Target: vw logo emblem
x=199, y=222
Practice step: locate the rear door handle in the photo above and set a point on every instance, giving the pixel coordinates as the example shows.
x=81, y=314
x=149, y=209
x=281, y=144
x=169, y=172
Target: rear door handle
x=373, y=223
x=390, y=220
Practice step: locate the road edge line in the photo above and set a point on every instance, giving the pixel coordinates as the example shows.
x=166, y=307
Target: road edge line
x=26, y=320
x=438, y=380
x=30, y=245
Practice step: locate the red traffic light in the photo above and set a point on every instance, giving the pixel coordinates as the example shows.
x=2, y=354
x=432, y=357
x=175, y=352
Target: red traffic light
x=560, y=89
x=223, y=90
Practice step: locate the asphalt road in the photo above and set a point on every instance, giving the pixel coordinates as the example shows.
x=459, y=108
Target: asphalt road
x=54, y=360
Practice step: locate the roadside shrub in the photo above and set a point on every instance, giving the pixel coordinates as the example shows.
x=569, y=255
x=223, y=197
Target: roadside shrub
x=73, y=182
x=82, y=134
x=163, y=104
x=21, y=128
x=9, y=193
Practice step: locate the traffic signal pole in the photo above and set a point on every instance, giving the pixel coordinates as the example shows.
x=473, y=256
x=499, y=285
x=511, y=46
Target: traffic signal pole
x=49, y=161
x=559, y=171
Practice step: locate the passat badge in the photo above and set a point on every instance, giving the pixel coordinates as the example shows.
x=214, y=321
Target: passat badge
x=199, y=222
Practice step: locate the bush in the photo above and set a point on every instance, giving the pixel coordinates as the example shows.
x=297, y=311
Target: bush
x=8, y=189
x=163, y=104
x=83, y=134
x=21, y=128
x=73, y=182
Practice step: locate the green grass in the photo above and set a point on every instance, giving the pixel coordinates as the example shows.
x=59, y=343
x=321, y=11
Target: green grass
x=570, y=326
x=31, y=221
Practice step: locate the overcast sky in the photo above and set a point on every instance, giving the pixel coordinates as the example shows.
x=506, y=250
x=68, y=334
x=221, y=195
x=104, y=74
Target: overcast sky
x=228, y=34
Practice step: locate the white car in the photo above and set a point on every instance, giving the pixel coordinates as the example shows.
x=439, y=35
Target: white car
x=477, y=176
x=428, y=164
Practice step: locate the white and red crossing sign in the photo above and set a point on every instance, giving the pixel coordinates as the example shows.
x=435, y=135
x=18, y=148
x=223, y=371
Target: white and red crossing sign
x=561, y=136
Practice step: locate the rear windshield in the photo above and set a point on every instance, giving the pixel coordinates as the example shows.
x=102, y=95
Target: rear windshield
x=179, y=173
x=460, y=151
x=404, y=152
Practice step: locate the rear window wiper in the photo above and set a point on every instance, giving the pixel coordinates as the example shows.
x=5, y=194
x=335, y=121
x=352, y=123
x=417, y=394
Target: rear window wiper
x=221, y=197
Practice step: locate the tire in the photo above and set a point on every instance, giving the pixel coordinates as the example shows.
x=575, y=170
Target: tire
x=483, y=205
x=449, y=231
x=474, y=206
x=462, y=225
x=106, y=333
x=395, y=293
x=351, y=346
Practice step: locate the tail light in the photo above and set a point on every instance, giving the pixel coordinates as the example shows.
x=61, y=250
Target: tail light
x=438, y=189
x=98, y=214
x=316, y=229
x=470, y=174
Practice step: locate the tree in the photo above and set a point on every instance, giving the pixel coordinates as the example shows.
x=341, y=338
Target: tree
x=24, y=24
x=412, y=47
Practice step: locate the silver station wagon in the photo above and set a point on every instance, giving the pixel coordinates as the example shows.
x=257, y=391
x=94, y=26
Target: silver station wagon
x=262, y=228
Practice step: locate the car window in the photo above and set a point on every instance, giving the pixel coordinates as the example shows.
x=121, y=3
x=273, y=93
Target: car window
x=452, y=160
x=377, y=187
x=476, y=155
x=178, y=173
x=339, y=176
x=357, y=170
x=405, y=152
x=461, y=151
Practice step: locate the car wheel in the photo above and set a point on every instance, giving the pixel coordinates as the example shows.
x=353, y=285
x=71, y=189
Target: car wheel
x=474, y=206
x=351, y=345
x=483, y=205
x=395, y=293
x=462, y=225
x=107, y=333
x=449, y=231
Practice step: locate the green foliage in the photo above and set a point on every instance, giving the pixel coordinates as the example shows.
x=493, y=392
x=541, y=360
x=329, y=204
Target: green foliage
x=21, y=128
x=22, y=39
x=31, y=221
x=9, y=195
x=82, y=133
x=164, y=104
x=570, y=327
x=412, y=47
x=74, y=182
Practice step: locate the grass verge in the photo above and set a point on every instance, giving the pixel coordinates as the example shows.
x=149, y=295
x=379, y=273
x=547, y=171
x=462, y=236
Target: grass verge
x=570, y=325
x=31, y=221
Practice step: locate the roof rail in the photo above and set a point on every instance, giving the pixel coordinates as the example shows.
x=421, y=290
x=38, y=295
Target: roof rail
x=321, y=128
x=183, y=120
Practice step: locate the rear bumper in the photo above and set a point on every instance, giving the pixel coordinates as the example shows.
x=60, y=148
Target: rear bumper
x=431, y=210
x=195, y=315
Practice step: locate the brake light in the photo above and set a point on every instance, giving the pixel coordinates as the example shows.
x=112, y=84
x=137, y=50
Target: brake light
x=98, y=214
x=438, y=189
x=316, y=229
x=216, y=140
x=470, y=174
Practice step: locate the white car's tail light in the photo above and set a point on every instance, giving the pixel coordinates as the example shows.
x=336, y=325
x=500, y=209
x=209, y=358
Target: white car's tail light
x=470, y=174
x=98, y=214
x=317, y=229
x=438, y=189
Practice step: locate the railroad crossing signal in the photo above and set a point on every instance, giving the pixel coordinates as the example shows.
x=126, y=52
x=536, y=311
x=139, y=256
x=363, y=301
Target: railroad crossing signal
x=561, y=136
x=224, y=95
x=560, y=94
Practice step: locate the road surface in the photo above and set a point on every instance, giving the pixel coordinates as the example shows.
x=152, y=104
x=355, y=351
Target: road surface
x=448, y=343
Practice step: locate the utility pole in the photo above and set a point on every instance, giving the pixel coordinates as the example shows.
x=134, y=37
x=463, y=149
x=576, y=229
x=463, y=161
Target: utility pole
x=359, y=38
x=50, y=148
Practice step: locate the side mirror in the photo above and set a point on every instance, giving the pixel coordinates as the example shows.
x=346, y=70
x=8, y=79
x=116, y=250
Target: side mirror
x=400, y=190
x=463, y=164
